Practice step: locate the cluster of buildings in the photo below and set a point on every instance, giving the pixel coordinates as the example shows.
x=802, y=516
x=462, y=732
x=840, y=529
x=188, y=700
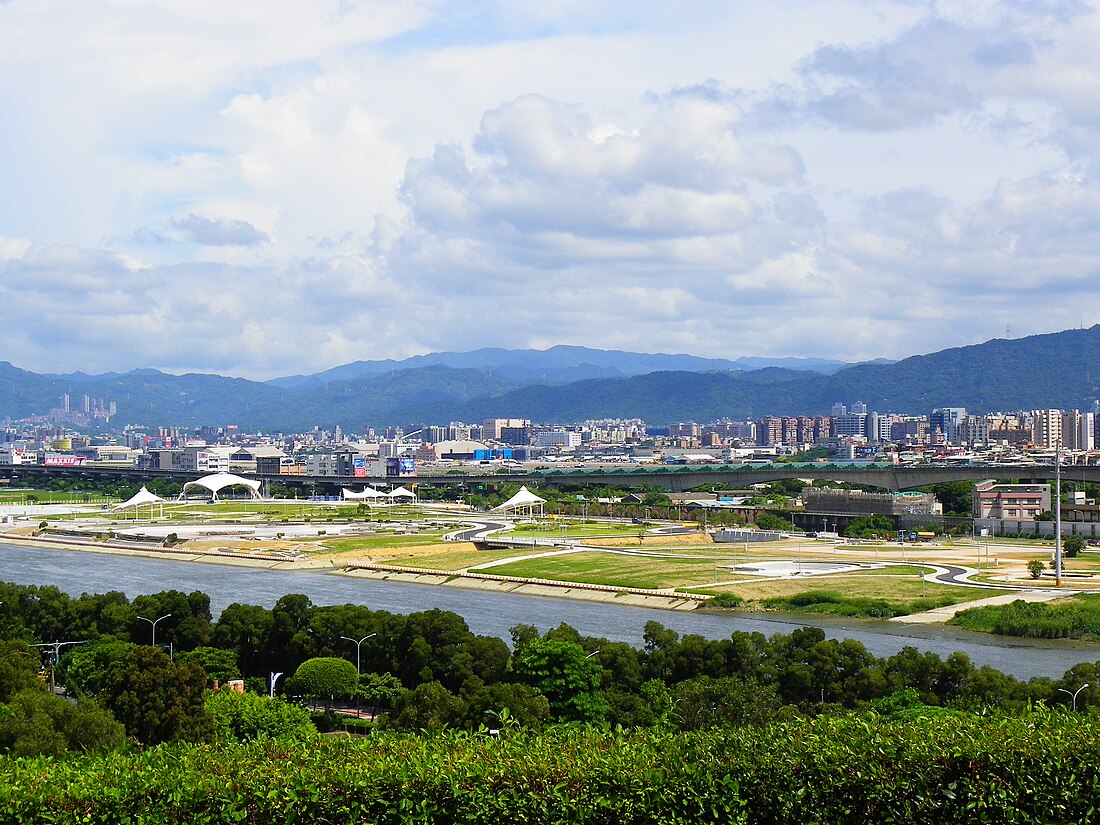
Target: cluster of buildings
x=856, y=432
x=850, y=433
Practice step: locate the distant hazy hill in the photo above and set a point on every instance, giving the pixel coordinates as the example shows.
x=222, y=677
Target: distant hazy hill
x=556, y=365
x=1056, y=370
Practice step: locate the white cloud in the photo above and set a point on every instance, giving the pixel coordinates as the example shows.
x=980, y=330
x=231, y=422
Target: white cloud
x=278, y=188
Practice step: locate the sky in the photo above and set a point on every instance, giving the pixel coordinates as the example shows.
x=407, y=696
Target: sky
x=270, y=188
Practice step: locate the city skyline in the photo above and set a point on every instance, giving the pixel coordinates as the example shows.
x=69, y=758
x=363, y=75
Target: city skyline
x=267, y=190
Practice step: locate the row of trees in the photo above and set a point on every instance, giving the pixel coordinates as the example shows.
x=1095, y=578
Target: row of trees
x=428, y=668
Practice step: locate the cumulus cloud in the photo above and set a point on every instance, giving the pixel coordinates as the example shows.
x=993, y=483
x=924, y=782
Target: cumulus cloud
x=281, y=188
x=209, y=232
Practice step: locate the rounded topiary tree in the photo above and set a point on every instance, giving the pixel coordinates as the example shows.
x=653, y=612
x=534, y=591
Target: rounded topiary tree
x=323, y=678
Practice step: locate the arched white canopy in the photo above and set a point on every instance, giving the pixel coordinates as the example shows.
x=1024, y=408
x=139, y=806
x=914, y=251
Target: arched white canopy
x=401, y=492
x=142, y=496
x=219, y=481
x=524, y=500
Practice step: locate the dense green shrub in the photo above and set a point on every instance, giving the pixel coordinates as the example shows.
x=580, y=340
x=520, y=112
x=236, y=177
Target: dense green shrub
x=1044, y=767
x=240, y=717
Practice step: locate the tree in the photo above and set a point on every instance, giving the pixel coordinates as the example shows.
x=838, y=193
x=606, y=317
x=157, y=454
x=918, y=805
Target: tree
x=705, y=702
x=19, y=668
x=85, y=667
x=1072, y=545
x=324, y=677
x=156, y=699
x=38, y=723
x=561, y=672
x=240, y=717
x=863, y=527
x=525, y=706
x=957, y=497
x=428, y=707
x=379, y=690
x=1035, y=567
x=219, y=665
x=770, y=521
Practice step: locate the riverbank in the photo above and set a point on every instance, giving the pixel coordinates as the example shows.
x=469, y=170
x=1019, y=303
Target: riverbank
x=200, y=556
x=527, y=587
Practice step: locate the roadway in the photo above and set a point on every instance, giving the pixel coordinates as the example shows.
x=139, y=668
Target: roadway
x=672, y=478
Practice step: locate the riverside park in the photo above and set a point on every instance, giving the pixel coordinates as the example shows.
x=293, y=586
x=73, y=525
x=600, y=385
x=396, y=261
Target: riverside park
x=667, y=564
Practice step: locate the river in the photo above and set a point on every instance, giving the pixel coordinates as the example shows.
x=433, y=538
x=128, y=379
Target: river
x=83, y=571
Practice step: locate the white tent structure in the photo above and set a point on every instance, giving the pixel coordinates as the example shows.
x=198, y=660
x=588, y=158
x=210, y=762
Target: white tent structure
x=401, y=492
x=522, y=502
x=139, y=499
x=219, y=481
x=368, y=494
x=142, y=496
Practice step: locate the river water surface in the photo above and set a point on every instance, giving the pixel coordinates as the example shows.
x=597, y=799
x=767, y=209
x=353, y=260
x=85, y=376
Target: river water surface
x=487, y=613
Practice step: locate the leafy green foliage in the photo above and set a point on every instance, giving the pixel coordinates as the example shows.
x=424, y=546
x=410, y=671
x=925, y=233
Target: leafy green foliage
x=561, y=671
x=1072, y=545
x=156, y=699
x=1078, y=619
x=1041, y=767
x=864, y=527
x=324, y=677
x=86, y=666
x=19, y=667
x=219, y=665
x=38, y=723
x=768, y=521
x=241, y=717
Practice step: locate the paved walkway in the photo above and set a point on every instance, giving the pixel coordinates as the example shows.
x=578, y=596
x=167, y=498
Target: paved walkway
x=942, y=614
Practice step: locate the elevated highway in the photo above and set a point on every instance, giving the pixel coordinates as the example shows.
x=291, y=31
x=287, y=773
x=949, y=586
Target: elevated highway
x=672, y=478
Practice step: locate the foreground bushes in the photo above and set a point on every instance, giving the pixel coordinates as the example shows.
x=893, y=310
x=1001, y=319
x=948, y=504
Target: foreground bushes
x=1043, y=767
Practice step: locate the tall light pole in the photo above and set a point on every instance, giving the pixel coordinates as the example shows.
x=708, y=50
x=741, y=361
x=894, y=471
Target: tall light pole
x=274, y=675
x=153, y=624
x=1074, y=694
x=1058, y=516
x=358, y=646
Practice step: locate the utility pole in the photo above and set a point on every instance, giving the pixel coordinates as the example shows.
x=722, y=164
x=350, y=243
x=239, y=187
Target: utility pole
x=1058, y=515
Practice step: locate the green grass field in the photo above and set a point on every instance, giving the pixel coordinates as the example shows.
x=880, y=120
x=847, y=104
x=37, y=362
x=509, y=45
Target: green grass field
x=615, y=570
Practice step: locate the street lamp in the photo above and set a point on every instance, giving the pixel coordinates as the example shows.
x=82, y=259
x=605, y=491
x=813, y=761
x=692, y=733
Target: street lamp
x=593, y=653
x=357, y=646
x=153, y=624
x=1074, y=694
x=274, y=675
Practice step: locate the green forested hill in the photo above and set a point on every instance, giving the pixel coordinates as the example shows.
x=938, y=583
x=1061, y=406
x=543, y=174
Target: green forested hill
x=1059, y=370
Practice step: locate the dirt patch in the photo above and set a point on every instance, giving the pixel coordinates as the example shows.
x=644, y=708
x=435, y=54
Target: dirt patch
x=387, y=554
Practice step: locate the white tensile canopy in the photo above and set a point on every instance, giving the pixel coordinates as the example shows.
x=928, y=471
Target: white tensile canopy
x=369, y=493
x=219, y=481
x=401, y=492
x=142, y=496
x=522, y=501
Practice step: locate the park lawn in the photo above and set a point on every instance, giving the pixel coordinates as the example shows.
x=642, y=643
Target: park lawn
x=358, y=544
x=51, y=497
x=455, y=560
x=614, y=570
x=893, y=589
x=575, y=530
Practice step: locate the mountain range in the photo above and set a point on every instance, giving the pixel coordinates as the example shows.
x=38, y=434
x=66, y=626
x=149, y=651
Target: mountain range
x=568, y=384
